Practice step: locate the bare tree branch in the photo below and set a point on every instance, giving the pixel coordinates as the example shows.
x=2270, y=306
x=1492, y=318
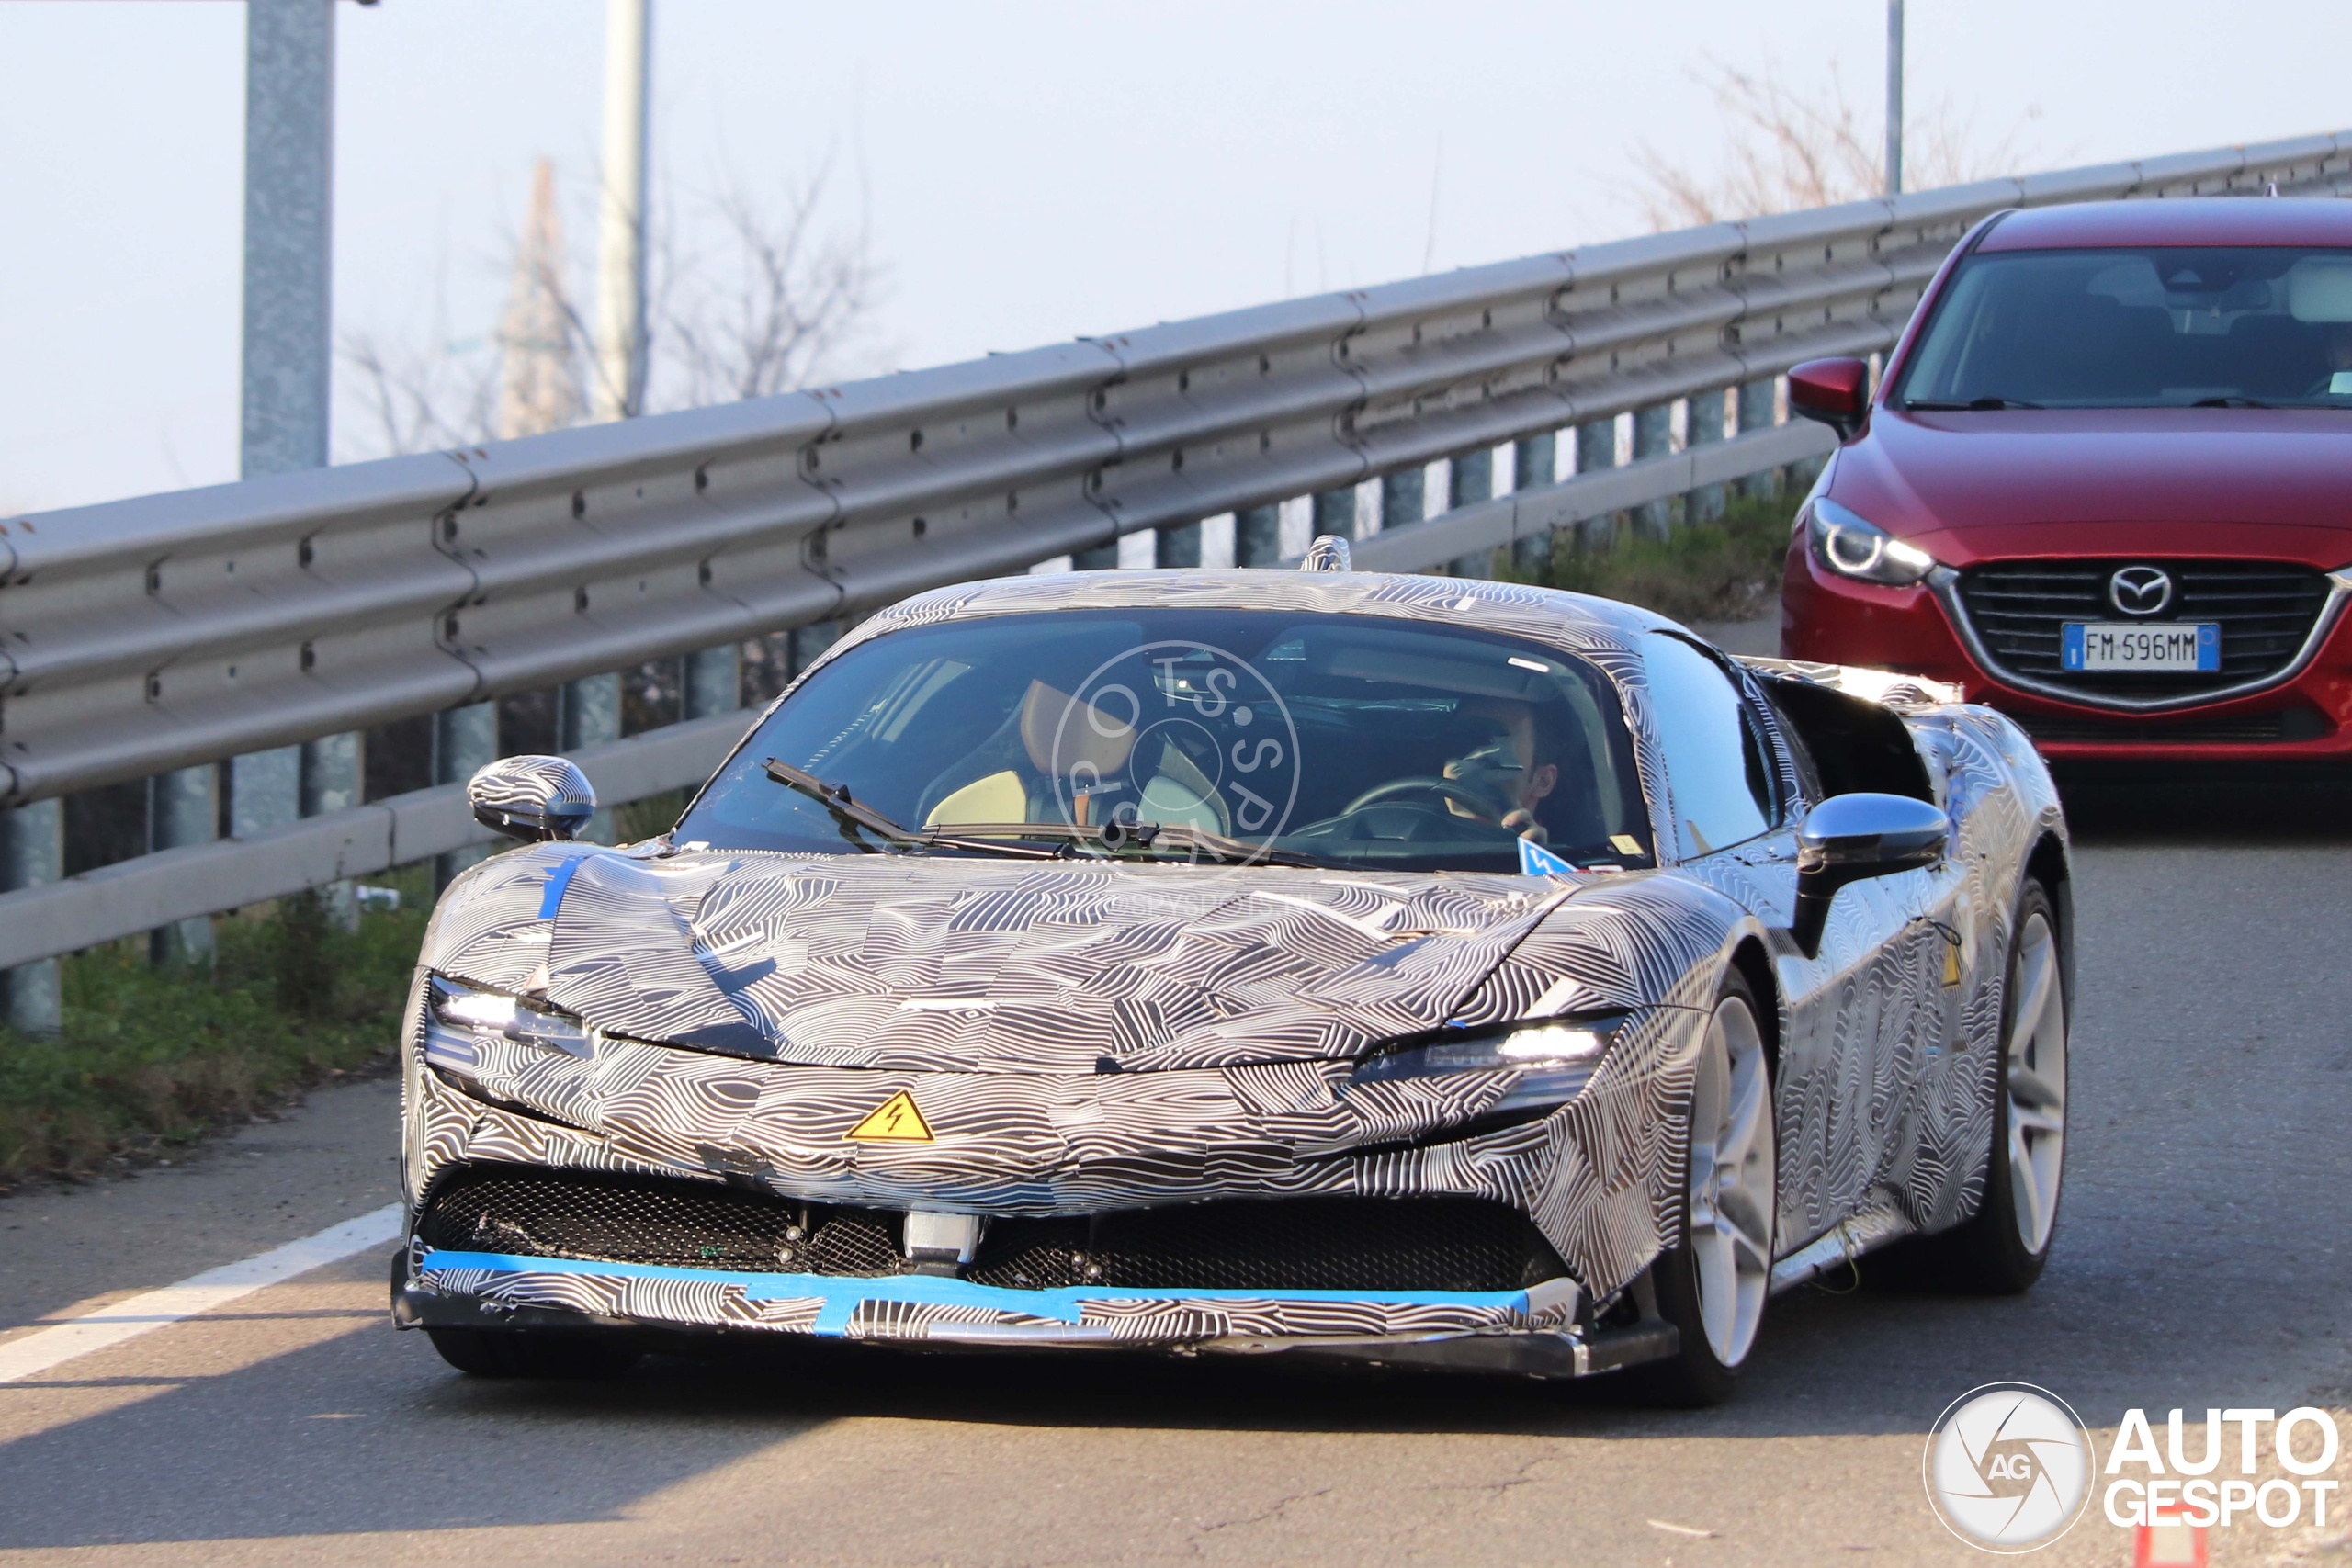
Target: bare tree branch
x=1785, y=151
x=773, y=311
x=770, y=303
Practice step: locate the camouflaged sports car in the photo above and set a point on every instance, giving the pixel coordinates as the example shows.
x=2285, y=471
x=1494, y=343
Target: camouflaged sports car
x=1421, y=971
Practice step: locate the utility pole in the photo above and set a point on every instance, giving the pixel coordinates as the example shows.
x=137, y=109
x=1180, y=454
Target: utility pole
x=288, y=347
x=1894, y=97
x=620, y=239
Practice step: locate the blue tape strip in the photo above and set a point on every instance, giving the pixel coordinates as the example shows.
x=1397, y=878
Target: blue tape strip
x=842, y=1295
x=557, y=880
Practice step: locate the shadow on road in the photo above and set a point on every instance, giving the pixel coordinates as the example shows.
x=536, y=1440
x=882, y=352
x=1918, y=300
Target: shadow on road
x=2154, y=804
x=367, y=1431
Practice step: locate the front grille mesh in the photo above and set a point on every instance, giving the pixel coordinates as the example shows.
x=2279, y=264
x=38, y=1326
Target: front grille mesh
x=1300, y=1244
x=623, y=1219
x=2265, y=612
x=1304, y=1244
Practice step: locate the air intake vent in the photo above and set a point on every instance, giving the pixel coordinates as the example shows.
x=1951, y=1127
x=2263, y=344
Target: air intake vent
x=1298, y=1244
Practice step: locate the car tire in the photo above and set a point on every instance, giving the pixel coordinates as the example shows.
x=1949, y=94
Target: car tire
x=2001, y=1250
x=532, y=1353
x=1713, y=1283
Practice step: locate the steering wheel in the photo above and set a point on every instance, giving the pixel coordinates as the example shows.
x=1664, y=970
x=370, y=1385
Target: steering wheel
x=1480, y=807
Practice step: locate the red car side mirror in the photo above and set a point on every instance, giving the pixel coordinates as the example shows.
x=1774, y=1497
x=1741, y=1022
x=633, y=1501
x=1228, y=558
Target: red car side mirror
x=1835, y=392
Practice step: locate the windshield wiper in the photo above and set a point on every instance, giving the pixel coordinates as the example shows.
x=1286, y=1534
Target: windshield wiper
x=855, y=817
x=2231, y=402
x=1124, y=837
x=1971, y=404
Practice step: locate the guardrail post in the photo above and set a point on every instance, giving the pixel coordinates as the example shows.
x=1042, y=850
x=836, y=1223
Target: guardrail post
x=712, y=682
x=1653, y=438
x=588, y=713
x=331, y=781
x=1180, y=546
x=1403, y=497
x=32, y=852
x=1470, y=479
x=1334, y=513
x=1595, y=450
x=1258, y=536
x=1705, y=424
x=1755, y=412
x=1534, y=459
x=183, y=808
x=812, y=640
x=465, y=740
x=264, y=790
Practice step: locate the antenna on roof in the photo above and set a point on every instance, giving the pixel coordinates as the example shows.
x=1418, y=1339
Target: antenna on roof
x=1327, y=553
x=2273, y=191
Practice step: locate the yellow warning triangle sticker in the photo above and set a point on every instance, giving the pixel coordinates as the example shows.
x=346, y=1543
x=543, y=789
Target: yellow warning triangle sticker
x=895, y=1120
x=1951, y=964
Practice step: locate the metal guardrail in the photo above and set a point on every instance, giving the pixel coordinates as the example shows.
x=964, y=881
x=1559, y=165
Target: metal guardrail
x=150, y=634
x=173, y=885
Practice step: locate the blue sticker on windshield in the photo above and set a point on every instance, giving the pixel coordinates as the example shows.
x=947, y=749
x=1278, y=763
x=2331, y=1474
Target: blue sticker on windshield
x=1534, y=860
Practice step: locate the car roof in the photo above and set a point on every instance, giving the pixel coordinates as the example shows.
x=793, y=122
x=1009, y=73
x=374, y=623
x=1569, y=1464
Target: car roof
x=2194, y=220
x=1573, y=622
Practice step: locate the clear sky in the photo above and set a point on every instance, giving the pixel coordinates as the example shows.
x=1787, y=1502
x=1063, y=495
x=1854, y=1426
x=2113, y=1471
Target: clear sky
x=1027, y=171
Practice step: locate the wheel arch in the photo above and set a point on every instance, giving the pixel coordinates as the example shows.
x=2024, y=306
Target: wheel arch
x=2048, y=866
x=1753, y=965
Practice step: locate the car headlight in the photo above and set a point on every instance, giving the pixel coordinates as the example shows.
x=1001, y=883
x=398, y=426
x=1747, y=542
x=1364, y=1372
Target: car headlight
x=458, y=1016
x=1852, y=545
x=1555, y=1058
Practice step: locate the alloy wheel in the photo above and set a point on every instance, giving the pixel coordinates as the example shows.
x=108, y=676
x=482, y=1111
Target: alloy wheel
x=1732, y=1178
x=2035, y=1060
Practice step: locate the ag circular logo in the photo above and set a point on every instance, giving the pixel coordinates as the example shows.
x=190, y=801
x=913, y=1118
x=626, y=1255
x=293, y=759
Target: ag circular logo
x=1170, y=734
x=2008, y=1467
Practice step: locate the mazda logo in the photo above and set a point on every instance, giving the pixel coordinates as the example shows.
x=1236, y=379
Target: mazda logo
x=2140, y=589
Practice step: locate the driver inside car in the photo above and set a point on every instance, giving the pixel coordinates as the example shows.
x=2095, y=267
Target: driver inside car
x=1516, y=770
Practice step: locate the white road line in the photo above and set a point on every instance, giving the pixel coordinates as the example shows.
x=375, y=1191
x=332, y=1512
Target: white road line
x=200, y=1292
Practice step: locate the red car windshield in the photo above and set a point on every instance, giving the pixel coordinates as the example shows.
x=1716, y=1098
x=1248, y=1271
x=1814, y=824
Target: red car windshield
x=2238, y=326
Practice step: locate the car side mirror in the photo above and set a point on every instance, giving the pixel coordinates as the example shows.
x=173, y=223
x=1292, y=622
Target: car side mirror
x=532, y=798
x=1850, y=837
x=1835, y=392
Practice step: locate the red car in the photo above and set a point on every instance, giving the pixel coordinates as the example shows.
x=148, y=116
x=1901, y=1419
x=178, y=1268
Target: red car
x=2105, y=482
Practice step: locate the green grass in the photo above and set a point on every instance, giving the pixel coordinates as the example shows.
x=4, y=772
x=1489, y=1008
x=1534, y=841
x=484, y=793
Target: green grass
x=1724, y=569
x=152, y=1059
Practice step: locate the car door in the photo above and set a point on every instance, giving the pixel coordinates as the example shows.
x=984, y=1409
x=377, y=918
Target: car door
x=1862, y=1019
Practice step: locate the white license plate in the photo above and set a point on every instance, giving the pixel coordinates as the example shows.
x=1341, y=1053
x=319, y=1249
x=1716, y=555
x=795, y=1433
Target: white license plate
x=2095, y=646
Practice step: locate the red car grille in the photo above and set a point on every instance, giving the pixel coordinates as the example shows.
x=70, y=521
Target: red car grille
x=2265, y=612
x=2246, y=730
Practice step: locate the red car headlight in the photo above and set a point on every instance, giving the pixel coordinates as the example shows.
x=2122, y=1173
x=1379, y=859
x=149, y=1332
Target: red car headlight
x=1850, y=545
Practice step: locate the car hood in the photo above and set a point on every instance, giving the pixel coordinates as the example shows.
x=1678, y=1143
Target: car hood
x=1975, y=486
x=979, y=966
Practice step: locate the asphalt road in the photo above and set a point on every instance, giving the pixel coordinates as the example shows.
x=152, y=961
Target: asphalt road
x=2203, y=1259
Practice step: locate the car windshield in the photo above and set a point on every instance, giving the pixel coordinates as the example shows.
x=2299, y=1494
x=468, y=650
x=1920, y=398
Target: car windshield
x=2160, y=327
x=1345, y=740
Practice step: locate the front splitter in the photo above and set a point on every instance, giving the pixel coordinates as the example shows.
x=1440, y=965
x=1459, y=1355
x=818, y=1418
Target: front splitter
x=1530, y=1332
